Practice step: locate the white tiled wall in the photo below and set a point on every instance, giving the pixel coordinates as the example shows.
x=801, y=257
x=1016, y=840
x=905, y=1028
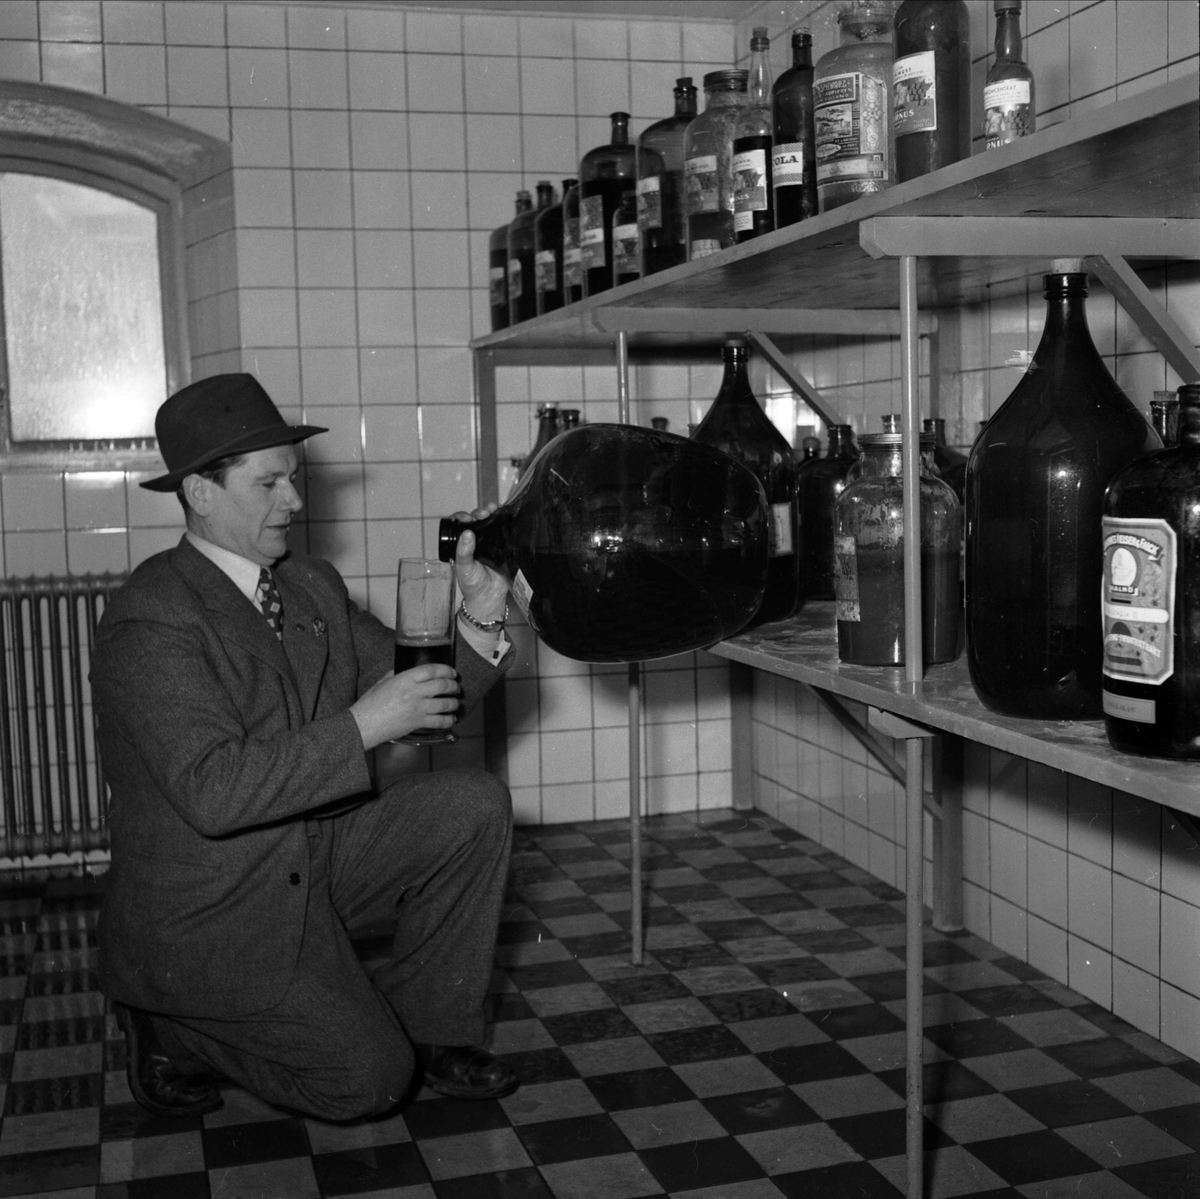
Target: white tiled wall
x=375, y=147
x=1098, y=888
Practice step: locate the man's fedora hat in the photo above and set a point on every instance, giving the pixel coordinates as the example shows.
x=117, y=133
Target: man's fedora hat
x=215, y=418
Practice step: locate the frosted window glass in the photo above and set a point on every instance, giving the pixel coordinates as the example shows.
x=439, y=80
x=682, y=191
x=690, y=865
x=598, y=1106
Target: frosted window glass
x=82, y=310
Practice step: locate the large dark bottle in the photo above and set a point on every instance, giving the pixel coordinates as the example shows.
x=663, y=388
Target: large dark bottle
x=819, y=483
x=951, y=465
x=661, y=226
x=498, y=266
x=623, y=544
x=1009, y=91
x=931, y=86
x=737, y=424
x=522, y=278
x=572, y=254
x=708, y=164
x=1034, y=496
x=548, y=254
x=753, y=185
x=794, y=152
x=605, y=175
x=1164, y=416
x=1152, y=597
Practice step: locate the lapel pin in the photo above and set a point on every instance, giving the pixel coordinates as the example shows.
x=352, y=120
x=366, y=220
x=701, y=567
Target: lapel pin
x=318, y=626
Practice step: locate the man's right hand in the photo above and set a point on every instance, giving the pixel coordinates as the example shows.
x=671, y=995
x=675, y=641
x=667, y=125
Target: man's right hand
x=425, y=697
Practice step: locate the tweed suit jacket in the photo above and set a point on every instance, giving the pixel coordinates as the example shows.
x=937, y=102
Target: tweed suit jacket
x=219, y=743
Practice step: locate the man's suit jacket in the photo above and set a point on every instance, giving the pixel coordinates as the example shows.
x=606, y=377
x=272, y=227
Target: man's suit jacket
x=217, y=745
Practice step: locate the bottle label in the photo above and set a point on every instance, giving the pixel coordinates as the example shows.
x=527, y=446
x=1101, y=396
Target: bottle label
x=572, y=260
x=545, y=272
x=1139, y=599
x=497, y=281
x=702, y=247
x=649, y=202
x=522, y=593
x=515, y=290
x=787, y=164
x=591, y=232
x=1007, y=113
x=780, y=539
x=1126, y=707
x=749, y=187
x=625, y=250
x=701, y=190
x=914, y=94
x=852, y=127
x=845, y=579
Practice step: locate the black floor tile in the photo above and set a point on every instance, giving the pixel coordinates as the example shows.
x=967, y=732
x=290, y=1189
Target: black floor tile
x=638, y=1088
x=1172, y=1178
x=1015, y=1000
x=810, y=1063
x=860, y=1020
x=883, y=1134
x=571, y=1139
x=732, y=1006
x=54, y=1094
x=245, y=1144
x=644, y=988
x=834, y=940
x=547, y=974
x=1183, y=1123
x=378, y=1168
x=599, y=945
x=772, y=904
x=851, y=1180
x=541, y=1065
x=891, y=984
x=696, y=1044
x=938, y=953
x=792, y=970
x=446, y=1117
x=684, y=957
x=943, y=1081
x=603, y=1024
x=735, y=930
x=54, y=1170
x=525, y=1183
x=508, y=1005
x=124, y=1121
x=1059, y=1104
x=974, y=1038
x=754, y=1111
x=865, y=914
x=1099, y=1058
x=718, y=1161
x=167, y=1186
x=1032, y=1157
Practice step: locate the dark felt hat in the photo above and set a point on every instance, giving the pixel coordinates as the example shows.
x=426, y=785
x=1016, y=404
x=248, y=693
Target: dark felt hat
x=214, y=418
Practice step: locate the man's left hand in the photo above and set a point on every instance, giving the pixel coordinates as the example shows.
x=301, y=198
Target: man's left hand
x=484, y=589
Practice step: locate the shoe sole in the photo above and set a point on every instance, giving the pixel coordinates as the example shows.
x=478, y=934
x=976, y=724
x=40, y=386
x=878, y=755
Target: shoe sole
x=455, y=1091
x=200, y=1108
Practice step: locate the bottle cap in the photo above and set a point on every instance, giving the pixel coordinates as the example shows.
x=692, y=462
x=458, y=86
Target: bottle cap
x=1006, y=5
x=683, y=82
x=730, y=79
x=759, y=39
x=1066, y=266
x=801, y=35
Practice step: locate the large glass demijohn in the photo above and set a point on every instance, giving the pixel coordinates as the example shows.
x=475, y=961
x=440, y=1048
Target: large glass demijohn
x=625, y=544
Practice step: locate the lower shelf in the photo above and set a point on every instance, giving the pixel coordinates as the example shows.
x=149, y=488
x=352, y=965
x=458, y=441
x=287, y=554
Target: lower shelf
x=805, y=648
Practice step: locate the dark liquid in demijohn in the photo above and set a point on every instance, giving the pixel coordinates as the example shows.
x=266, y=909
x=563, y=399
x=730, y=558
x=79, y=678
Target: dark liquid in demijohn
x=421, y=652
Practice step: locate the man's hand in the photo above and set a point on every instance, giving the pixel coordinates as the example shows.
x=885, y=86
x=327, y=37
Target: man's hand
x=484, y=590
x=425, y=697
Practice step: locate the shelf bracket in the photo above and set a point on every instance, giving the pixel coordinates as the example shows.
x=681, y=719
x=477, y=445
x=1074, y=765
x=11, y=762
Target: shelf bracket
x=1159, y=326
x=794, y=379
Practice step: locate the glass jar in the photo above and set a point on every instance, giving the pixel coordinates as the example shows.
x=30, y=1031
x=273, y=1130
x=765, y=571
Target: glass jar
x=869, y=545
x=852, y=107
x=708, y=164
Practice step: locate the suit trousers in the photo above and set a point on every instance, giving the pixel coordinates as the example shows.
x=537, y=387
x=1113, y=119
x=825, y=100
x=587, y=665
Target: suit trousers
x=430, y=852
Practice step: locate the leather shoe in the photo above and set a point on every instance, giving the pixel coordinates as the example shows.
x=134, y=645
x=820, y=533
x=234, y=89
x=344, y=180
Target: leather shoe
x=161, y=1085
x=466, y=1072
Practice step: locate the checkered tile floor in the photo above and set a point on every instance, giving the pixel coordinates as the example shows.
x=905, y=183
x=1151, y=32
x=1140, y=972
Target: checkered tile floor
x=757, y=1054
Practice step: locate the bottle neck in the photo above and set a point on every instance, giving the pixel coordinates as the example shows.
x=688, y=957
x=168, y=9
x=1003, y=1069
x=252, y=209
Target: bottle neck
x=840, y=443
x=524, y=203
x=1008, y=36
x=758, y=86
x=1189, y=415
x=1066, y=325
x=802, y=53
x=620, y=129
x=735, y=383
x=685, y=102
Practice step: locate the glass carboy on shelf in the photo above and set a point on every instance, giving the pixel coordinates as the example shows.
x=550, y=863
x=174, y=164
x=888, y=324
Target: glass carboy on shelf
x=819, y=484
x=605, y=174
x=548, y=254
x=661, y=227
x=852, y=106
x=1151, y=593
x=794, y=151
x=1034, y=492
x=753, y=186
x=522, y=256
x=737, y=424
x=1010, y=90
x=931, y=86
x=498, y=266
x=571, y=252
x=708, y=164
x=623, y=544
x=869, y=548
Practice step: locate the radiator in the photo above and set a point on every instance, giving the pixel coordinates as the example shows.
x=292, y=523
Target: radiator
x=55, y=800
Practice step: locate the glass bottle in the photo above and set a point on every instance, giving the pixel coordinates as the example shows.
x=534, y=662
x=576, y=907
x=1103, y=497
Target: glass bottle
x=1010, y=90
x=753, y=186
x=1034, y=497
x=547, y=430
x=794, y=153
x=661, y=225
x=568, y=418
x=622, y=544
x=931, y=86
x=852, y=107
x=605, y=174
x=498, y=265
x=819, y=485
x=522, y=295
x=572, y=254
x=737, y=424
x=951, y=465
x=548, y=254
x=1164, y=416
x=625, y=241
x=869, y=552
x=1151, y=533
x=708, y=164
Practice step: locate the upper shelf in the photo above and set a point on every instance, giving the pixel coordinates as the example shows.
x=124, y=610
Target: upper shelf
x=1137, y=158
x=805, y=648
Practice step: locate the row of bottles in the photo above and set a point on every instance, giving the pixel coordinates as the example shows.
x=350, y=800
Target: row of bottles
x=890, y=103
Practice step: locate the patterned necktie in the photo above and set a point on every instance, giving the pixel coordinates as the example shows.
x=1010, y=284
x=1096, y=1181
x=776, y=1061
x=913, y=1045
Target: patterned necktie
x=269, y=601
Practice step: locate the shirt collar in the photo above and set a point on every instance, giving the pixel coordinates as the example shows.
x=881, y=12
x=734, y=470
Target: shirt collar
x=241, y=571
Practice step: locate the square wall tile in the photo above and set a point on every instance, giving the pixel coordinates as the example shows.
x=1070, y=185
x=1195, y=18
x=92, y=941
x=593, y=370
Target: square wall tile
x=1089, y=971
x=325, y=258
x=343, y=442
x=435, y=83
x=98, y=551
x=196, y=75
x=1047, y=804
x=1135, y=923
x=379, y=141
x=329, y=375
x=73, y=64
x=1093, y=50
x=63, y=21
x=1047, y=873
x=435, y=32
x=1089, y=901
x=436, y=141
x=261, y=138
x=1089, y=820
x=136, y=74
x=381, y=199
x=375, y=29
x=548, y=86
x=1142, y=37
x=323, y=199
x=316, y=28
x=547, y=37
x=1048, y=948
x=378, y=81
x=327, y=316
x=1180, y=854
x=318, y=79
x=447, y=432
x=1135, y=996
x=195, y=24
x=1180, y=1016
x=320, y=139
x=385, y=317
x=40, y=553
x=33, y=501
x=257, y=25
x=388, y=376
x=601, y=87
x=95, y=500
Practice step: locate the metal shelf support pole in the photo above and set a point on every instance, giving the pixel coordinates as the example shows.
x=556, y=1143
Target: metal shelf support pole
x=637, y=938
x=914, y=785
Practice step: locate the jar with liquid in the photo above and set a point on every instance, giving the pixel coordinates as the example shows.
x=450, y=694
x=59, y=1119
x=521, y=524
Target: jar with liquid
x=708, y=164
x=852, y=107
x=869, y=549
